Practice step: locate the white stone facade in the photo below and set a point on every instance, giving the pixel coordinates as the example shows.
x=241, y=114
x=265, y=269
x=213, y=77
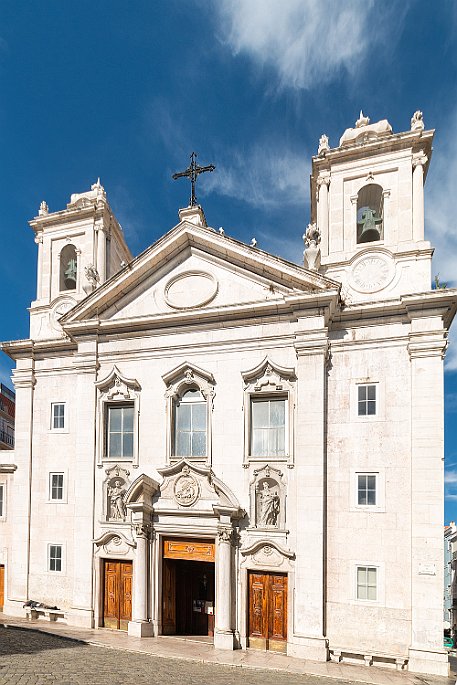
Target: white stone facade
x=338, y=493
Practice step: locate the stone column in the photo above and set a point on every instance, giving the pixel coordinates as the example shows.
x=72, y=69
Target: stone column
x=426, y=349
x=140, y=626
x=223, y=632
x=419, y=162
x=39, y=242
x=323, y=183
x=101, y=252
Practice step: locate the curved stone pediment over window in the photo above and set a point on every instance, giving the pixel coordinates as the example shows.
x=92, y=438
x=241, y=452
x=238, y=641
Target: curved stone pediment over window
x=267, y=553
x=114, y=543
x=190, y=393
x=268, y=376
x=118, y=402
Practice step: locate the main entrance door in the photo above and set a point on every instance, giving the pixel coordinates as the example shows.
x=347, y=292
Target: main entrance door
x=188, y=587
x=267, y=611
x=117, y=610
x=2, y=586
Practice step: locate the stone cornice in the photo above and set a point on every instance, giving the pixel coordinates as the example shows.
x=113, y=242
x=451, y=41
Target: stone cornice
x=427, y=344
x=7, y=468
x=289, y=305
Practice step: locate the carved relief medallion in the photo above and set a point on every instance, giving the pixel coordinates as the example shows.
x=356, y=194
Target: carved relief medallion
x=186, y=489
x=191, y=289
x=371, y=273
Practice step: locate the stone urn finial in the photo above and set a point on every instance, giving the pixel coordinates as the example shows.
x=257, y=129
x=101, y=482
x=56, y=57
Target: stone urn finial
x=312, y=253
x=323, y=144
x=417, y=121
x=362, y=120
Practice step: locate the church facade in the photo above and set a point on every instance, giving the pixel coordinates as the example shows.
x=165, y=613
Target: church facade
x=211, y=440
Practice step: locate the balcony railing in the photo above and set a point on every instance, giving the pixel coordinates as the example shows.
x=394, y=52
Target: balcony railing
x=7, y=439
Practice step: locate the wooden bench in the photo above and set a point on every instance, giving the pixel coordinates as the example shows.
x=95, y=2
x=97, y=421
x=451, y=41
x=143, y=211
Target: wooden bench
x=34, y=613
x=369, y=656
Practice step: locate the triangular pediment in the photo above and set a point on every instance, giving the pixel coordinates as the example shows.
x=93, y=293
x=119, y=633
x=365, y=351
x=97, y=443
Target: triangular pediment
x=194, y=268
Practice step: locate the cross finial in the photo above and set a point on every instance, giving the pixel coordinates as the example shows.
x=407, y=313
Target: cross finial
x=192, y=172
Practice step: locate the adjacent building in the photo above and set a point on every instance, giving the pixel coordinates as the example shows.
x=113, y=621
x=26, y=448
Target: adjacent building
x=7, y=412
x=212, y=440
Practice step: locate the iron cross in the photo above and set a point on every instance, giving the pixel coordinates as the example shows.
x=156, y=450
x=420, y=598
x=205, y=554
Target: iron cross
x=192, y=172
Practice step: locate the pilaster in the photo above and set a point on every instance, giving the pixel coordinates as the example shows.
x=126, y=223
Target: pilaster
x=427, y=345
x=308, y=623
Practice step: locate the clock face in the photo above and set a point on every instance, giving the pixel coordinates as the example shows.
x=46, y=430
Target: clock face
x=61, y=308
x=372, y=273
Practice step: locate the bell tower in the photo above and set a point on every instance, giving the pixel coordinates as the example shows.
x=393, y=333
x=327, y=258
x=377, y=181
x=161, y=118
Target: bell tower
x=79, y=248
x=367, y=201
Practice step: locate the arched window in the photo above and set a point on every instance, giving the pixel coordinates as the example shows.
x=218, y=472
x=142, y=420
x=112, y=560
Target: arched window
x=68, y=268
x=370, y=213
x=190, y=415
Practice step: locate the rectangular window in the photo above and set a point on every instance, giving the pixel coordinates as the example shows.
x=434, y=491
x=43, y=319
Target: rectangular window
x=268, y=427
x=55, y=557
x=119, y=431
x=56, y=486
x=366, y=400
x=58, y=416
x=367, y=586
x=366, y=489
x=2, y=500
x=190, y=425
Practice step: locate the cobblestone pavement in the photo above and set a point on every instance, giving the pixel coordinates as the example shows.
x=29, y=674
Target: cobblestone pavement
x=34, y=658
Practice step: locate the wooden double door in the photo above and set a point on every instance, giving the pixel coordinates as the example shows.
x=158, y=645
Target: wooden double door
x=117, y=603
x=267, y=611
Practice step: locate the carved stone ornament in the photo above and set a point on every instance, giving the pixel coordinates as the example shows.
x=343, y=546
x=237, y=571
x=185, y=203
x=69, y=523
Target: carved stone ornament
x=142, y=530
x=115, y=386
x=268, y=376
x=180, y=378
x=268, y=498
x=114, y=543
x=225, y=535
x=323, y=144
x=362, y=120
x=266, y=553
x=417, y=121
x=186, y=488
x=115, y=487
x=92, y=277
x=44, y=209
x=312, y=253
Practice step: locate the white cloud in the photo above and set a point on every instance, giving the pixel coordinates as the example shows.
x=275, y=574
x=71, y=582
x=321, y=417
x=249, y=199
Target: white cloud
x=309, y=41
x=450, y=476
x=261, y=176
x=440, y=219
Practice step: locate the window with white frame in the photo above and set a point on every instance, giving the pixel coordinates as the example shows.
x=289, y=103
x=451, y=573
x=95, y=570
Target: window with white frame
x=119, y=430
x=268, y=426
x=366, y=400
x=367, y=583
x=2, y=500
x=55, y=558
x=56, y=483
x=58, y=416
x=269, y=392
x=190, y=424
x=367, y=489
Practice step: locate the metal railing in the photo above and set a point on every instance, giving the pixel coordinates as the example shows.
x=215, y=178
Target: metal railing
x=6, y=438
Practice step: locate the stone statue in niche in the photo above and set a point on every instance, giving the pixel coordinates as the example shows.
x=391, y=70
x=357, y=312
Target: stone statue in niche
x=268, y=503
x=117, y=508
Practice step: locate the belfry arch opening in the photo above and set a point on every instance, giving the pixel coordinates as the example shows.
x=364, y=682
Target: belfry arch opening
x=68, y=268
x=370, y=213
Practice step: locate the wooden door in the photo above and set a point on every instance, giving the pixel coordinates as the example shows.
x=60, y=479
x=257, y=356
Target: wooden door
x=267, y=611
x=2, y=586
x=169, y=597
x=117, y=610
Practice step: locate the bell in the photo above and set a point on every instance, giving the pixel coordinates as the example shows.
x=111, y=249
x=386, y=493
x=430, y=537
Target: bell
x=70, y=274
x=370, y=223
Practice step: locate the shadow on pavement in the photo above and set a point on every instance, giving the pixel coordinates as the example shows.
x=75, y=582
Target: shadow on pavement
x=15, y=640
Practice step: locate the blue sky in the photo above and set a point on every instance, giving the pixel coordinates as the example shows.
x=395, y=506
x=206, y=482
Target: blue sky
x=126, y=91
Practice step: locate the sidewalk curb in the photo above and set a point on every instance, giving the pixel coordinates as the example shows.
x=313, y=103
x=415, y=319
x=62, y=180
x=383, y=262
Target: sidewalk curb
x=419, y=678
